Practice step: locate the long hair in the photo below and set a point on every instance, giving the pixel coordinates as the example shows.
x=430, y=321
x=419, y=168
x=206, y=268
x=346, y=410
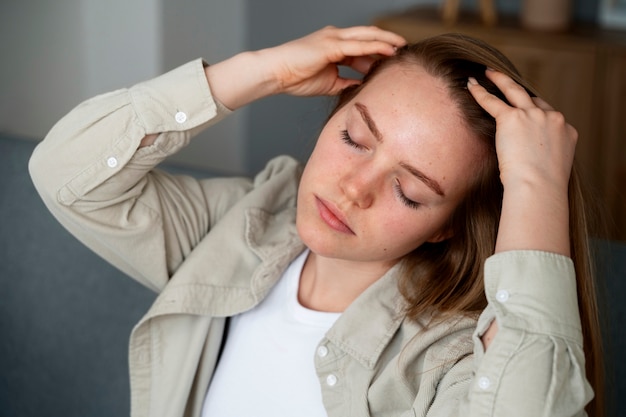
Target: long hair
x=445, y=279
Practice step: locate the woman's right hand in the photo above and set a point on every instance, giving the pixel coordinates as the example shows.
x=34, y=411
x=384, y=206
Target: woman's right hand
x=307, y=66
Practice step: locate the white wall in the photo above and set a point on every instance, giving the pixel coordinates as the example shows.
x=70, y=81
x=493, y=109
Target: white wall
x=56, y=54
x=120, y=43
x=42, y=71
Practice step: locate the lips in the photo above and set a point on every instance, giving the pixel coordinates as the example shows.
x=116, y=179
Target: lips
x=332, y=216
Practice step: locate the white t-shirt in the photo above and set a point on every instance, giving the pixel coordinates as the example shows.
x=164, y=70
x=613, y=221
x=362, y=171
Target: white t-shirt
x=267, y=368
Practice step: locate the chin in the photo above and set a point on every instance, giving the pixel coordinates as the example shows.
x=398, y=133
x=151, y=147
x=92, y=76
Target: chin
x=320, y=245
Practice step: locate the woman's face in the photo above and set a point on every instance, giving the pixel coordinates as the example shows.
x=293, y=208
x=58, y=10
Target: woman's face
x=387, y=171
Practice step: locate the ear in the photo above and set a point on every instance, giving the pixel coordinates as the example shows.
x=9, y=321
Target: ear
x=440, y=236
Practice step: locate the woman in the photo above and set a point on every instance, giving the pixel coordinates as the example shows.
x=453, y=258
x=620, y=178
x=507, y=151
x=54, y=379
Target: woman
x=352, y=286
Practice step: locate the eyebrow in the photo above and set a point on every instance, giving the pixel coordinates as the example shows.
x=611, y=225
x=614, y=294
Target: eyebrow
x=365, y=114
x=431, y=183
x=367, y=118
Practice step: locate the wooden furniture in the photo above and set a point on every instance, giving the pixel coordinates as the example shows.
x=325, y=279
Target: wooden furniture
x=581, y=72
x=451, y=10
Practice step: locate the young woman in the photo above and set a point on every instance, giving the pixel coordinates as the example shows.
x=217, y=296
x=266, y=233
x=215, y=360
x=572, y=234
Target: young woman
x=429, y=260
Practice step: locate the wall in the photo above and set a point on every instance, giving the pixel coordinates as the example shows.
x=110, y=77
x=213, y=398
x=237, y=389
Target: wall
x=42, y=72
x=213, y=30
x=57, y=54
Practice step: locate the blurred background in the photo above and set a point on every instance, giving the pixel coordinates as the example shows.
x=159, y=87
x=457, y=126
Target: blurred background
x=65, y=315
x=57, y=53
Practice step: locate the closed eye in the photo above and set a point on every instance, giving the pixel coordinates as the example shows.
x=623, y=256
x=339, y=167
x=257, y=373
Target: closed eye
x=345, y=137
x=403, y=198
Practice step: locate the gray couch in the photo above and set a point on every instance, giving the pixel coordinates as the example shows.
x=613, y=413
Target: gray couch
x=65, y=315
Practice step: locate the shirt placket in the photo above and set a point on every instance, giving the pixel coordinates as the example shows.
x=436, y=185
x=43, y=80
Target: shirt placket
x=330, y=368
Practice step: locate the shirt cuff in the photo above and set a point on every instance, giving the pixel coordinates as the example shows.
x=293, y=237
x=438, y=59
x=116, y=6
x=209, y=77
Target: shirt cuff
x=534, y=291
x=178, y=100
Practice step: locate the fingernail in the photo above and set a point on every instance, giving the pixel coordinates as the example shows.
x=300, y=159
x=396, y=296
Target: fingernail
x=472, y=81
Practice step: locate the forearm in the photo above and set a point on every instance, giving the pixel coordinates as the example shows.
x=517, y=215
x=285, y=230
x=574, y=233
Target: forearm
x=535, y=148
x=535, y=215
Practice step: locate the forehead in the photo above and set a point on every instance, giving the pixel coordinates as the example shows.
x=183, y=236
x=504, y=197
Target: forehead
x=417, y=116
x=409, y=87
x=413, y=105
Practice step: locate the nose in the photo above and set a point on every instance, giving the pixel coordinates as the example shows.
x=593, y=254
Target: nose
x=358, y=186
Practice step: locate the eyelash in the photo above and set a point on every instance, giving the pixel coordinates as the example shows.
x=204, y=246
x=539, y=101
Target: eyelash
x=404, y=199
x=345, y=137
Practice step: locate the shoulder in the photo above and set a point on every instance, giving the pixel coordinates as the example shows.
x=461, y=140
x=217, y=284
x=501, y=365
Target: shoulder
x=283, y=167
x=276, y=186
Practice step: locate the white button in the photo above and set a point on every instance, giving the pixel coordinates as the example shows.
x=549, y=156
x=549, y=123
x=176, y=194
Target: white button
x=180, y=117
x=322, y=351
x=331, y=380
x=502, y=296
x=484, y=382
x=112, y=162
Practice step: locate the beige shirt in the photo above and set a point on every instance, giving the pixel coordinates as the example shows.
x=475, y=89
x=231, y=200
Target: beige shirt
x=213, y=248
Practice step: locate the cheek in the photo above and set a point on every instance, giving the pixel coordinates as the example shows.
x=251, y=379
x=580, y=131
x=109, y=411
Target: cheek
x=412, y=228
x=399, y=224
x=321, y=169
x=325, y=158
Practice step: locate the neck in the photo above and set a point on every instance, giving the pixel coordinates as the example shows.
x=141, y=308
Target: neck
x=328, y=284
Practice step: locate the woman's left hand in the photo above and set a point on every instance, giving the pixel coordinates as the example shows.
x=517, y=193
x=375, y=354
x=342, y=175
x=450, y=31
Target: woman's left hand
x=535, y=148
x=534, y=143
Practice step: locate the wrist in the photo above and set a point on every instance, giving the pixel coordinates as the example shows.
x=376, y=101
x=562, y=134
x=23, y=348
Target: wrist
x=535, y=182
x=535, y=215
x=240, y=80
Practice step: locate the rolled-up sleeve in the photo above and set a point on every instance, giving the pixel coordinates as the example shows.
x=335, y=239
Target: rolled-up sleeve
x=535, y=365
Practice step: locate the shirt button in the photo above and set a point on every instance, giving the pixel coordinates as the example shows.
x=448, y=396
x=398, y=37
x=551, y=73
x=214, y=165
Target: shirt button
x=112, y=162
x=484, y=383
x=331, y=380
x=502, y=296
x=322, y=351
x=180, y=117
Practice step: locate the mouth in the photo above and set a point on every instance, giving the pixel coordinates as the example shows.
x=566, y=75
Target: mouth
x=332, y=216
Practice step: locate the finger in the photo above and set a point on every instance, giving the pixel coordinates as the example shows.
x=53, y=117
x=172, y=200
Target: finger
x=371, y=33
x=492, y=104
x=360, y=64
x=542, y=104
x=346, y=50
x=514, y=93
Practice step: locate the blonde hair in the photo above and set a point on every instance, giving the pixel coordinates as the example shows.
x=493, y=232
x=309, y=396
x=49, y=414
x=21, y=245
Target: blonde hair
x=445, y=279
